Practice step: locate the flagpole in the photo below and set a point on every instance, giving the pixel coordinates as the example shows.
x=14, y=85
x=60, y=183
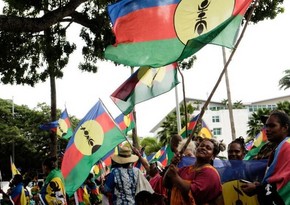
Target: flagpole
x=220, y=77
x=230, y=105
x=177, y=111
x=184, y=100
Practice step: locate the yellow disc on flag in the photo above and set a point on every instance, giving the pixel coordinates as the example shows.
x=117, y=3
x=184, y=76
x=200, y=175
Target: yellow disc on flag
x=127, y=120
x=62, y=128
x=195, y=18
x=233, y=194
x=89, y=137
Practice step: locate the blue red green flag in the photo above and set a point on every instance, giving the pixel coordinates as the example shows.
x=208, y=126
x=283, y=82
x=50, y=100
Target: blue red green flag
x=258, y=143
x=160, y=32
x=125, y=122
x=144, y=84
x=190, y=126
x=160, y=156
x=278, y=172
x=94, y=137
x=50, y=126
x=64, y=128
x=205, y=131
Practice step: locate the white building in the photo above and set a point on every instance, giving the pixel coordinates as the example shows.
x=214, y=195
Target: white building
x=217, y=117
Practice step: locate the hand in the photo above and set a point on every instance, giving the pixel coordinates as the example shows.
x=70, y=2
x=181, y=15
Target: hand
x=172, y=171
x=176, y=159
x=136, y=151
x=250, y=188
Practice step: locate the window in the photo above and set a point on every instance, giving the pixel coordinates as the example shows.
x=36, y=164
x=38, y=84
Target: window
x=217, y=131
x=215, y=118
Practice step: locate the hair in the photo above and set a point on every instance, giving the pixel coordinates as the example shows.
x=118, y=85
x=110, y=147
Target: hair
x=18, y=178
x=218, y=146
x=50, y=162
x=240, y=140
x=282, y=117
x=191, y=146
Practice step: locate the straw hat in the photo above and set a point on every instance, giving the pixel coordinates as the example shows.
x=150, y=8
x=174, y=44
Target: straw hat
x=124, y=156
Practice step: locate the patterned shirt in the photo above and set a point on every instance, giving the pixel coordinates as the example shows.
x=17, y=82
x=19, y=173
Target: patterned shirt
x=122, y=182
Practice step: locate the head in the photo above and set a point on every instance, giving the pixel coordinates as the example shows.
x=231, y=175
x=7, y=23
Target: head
x=49, y=164
x=155, y=168
x=174, y=142
x=208, y=149
x=277, y=126
x=237, y=149
x=197, y=140
x=17, y=179
x=124, y=157
x=190, y=149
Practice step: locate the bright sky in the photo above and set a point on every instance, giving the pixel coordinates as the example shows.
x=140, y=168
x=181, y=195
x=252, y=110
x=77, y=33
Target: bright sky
x=254, y=73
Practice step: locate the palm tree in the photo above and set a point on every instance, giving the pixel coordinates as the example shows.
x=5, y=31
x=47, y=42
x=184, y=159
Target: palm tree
x=285, y=81
x=238, y=105
x=169, y=125
x=255, y=124
x=285, y=106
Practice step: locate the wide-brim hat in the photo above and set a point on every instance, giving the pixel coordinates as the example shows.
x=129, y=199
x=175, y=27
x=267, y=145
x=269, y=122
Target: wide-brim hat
x=124, y=156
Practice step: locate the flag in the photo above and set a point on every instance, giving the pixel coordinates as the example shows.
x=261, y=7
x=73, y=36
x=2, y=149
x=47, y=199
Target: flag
x=125, y=122
x=144, y=84
x=259, y=141
x=159, y=32
x=50, y=126
x=190, y=126
x=278, y=173
x=160, y=156
x=64, y=128
x=94, y=137
x=249, y=145
x=14, y=170
x=205, y=131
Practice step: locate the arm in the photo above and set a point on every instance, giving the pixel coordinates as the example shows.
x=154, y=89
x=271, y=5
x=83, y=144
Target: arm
x=142, y=160
x=251, y=188
x=172, y=177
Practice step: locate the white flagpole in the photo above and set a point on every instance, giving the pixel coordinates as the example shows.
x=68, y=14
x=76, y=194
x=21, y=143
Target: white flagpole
x=177, y=111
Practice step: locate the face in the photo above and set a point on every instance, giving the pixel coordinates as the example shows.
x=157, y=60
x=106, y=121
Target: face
x=153, y=170
x=235, y=152
x=205, y=151
x=174, y=143
x=275, y=132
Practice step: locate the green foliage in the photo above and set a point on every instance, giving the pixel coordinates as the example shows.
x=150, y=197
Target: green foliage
x=20, y=132
x=169, y=125
x=285, y=81
x=151, y=145
x=267, y=9
x=255, y=124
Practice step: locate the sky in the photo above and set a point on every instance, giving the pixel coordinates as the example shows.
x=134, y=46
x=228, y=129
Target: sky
x=254, y=72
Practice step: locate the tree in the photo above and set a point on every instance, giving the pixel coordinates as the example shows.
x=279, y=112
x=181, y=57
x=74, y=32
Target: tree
x=21, y=137
x=151, y=145
x=255, y=124
x=238, y=105
x=285, y=81
x=169, y=125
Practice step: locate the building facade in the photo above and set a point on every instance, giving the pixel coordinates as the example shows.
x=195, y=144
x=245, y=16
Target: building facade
x=217, y=117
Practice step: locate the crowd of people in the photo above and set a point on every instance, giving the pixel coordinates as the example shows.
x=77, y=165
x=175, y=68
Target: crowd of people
x=191, y=178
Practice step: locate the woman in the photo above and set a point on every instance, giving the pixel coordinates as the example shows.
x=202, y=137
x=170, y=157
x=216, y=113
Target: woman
x=53, y=191
x=274, y=188
x=199, y=183
x=124, y=181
